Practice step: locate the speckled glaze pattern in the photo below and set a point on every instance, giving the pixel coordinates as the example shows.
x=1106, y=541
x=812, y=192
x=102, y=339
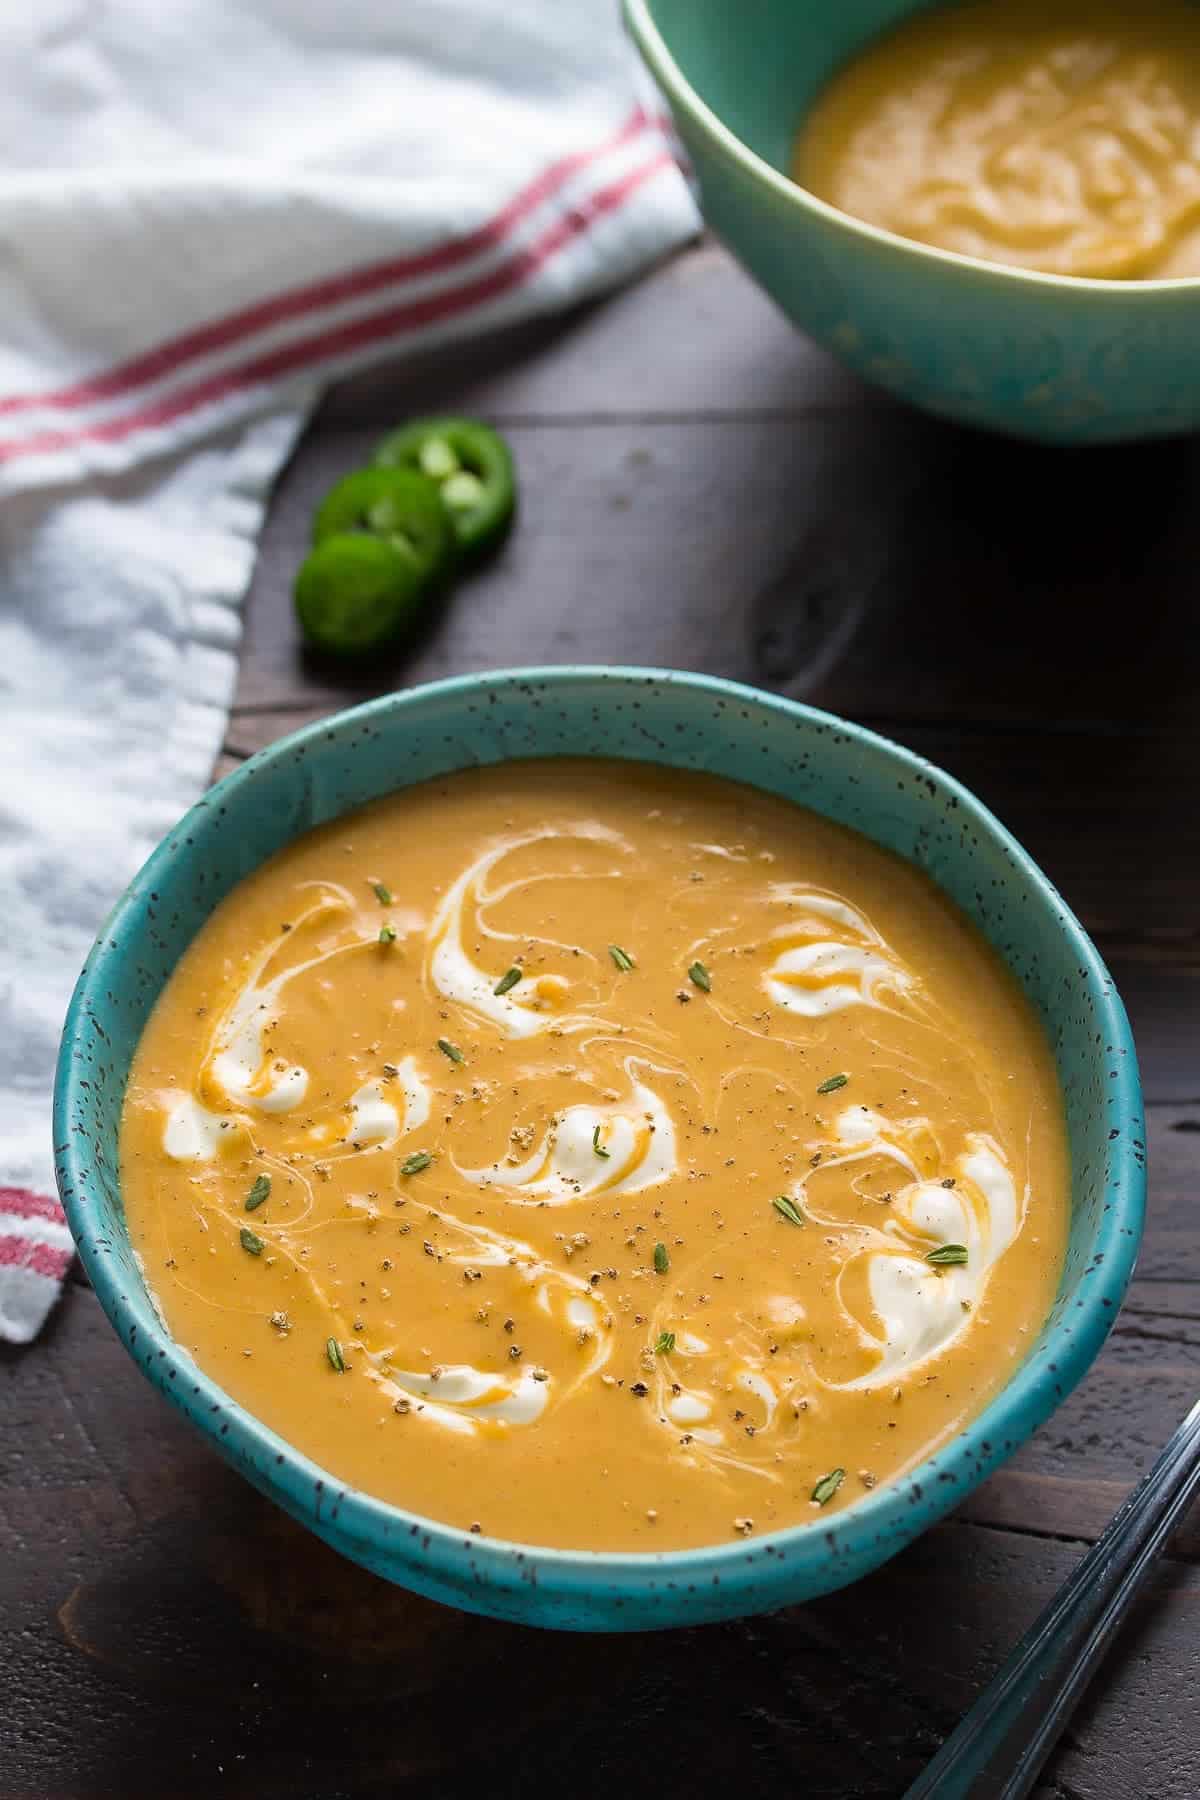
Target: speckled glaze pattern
x=689, y=722
x=1033, y=355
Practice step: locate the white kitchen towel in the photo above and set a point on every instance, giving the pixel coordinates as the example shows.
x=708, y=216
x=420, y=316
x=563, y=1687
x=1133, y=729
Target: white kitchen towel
x=206, y=210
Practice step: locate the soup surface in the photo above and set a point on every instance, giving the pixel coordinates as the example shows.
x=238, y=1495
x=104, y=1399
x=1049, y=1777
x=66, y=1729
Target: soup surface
x=597, y=1156
x=1062, y=136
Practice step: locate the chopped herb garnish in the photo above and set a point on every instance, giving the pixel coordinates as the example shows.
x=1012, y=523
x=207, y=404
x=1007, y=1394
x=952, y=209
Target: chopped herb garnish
x=259, y=1192
x=699, y=974
x=665, y=1343
x=662, y=1259
x=383, y=893
x=787, y=1209
x=387, y=935
x=946, y=1255
x=828, y=1486
x=450, y=1050
x=622, y=958
x=597, y=1146
x=333, y=1351
x=508, y=980
x=251, y=1241
x=412, y=1165
x=833, y=1084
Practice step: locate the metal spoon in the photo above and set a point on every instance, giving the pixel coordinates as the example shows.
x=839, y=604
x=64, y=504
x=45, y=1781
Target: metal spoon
x=997, y=1751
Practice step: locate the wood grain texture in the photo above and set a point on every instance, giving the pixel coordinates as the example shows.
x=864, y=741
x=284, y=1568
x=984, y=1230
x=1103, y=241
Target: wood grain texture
x=701, y=489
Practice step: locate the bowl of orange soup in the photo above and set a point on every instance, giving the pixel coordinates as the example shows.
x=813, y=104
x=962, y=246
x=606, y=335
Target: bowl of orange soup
x=990, y=208
x=605, y=1148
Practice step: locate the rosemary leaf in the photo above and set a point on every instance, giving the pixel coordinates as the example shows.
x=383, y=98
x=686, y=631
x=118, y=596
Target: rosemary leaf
x=259, y=1192
x=828, y=1486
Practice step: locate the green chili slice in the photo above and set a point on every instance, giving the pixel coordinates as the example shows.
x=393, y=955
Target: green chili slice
x=473, y=468
x=357, y=594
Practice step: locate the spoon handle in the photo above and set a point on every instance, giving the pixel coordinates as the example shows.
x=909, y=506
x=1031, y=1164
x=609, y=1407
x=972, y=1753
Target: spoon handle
x=1000, y=1746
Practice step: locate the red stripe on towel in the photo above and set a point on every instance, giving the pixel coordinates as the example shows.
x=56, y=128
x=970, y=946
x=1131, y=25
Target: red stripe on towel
x=333, y=290
x=342, y=340
x=43, y=1259
x=19, y=1203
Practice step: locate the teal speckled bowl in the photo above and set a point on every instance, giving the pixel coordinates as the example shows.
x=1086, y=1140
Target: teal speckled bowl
x=1040, y=356
x=689, y=722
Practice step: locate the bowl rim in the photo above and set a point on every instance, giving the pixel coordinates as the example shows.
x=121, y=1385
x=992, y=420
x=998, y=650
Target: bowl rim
x=661, y=61
x=895, y=1511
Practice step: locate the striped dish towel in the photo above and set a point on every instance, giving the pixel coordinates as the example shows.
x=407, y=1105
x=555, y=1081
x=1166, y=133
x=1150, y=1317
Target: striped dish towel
x=207, y=210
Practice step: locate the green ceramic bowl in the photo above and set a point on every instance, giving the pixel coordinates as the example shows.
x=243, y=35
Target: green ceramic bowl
x=1038, y=356
x=689, y=722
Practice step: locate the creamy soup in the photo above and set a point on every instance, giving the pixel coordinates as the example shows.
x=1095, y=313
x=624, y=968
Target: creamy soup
x=597, y=1156
x=1061, y=136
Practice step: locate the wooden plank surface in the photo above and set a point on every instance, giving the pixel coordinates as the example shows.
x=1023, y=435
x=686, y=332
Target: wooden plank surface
x=702, y=489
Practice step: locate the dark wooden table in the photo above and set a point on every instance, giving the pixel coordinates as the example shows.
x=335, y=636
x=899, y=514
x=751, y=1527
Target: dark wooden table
x=702, y=489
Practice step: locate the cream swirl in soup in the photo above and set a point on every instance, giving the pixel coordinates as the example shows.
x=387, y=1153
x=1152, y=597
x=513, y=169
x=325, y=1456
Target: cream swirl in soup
x=598, y=1156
